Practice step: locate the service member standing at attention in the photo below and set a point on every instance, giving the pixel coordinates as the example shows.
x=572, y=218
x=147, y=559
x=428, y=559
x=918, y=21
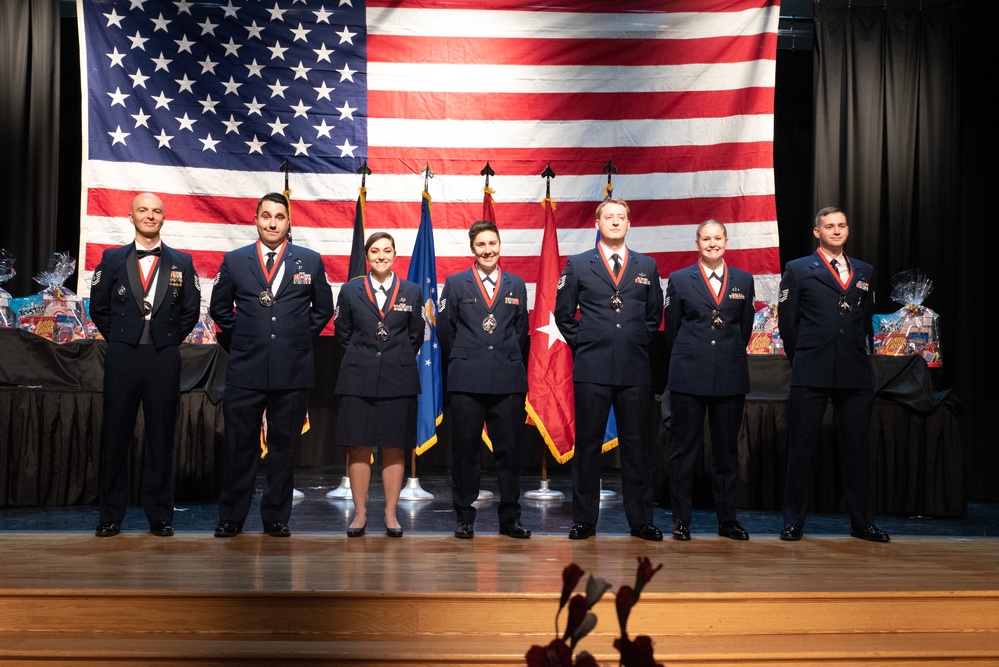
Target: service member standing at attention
x=282, y=302
x=620, y=301
x=824, y=314
x=145, y=300
x=379, y=323
x=483, y=329
x=709, y=318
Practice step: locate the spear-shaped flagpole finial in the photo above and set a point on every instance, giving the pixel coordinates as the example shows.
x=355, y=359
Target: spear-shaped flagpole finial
x=609, y=169
x=286, y=168
x=487, y=171
x=427, y=175
x=364, y=171
x=548, y=174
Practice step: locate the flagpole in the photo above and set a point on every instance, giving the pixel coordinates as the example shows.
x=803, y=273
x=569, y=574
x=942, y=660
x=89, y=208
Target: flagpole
x=544, y=492
x=355, y=269
x=424, y=264
x=610, y=169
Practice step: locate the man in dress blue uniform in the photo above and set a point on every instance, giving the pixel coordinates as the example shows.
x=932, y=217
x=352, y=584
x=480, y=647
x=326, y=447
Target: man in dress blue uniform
x=620, y=301
x=282, y=302
x=145, y=300
x=483, y=330
x=824, y=313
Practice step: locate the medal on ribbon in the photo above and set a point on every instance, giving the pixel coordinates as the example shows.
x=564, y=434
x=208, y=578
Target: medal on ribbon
x=381, y=332
x=717, y=321
x=267, y=298
x=489, y=324
x=616, y=302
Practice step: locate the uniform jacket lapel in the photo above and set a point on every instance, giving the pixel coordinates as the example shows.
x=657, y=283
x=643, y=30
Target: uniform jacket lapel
x=134, y=278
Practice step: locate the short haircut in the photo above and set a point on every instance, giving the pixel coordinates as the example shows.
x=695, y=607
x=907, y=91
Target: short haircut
x=823, y=212
x=708, y=223
x=378, y=236
x=275, y=197
x=480, y=226
x=600, y=206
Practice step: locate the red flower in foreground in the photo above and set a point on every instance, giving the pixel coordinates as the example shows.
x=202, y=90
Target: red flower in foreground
x=637, y=653
x=556, y=654
x=645, y=572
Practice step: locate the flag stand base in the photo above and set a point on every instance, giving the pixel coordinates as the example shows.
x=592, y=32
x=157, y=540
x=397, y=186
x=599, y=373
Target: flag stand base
x=413, y=491
x=343, y=491
x=606, y=494
x=544, y=493
x=485, y=494
x=296, y=494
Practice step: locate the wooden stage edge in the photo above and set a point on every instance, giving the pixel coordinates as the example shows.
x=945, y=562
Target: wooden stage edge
x=429, y=599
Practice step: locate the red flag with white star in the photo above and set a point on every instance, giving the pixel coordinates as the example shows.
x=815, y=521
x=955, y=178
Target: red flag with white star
x=549, y=366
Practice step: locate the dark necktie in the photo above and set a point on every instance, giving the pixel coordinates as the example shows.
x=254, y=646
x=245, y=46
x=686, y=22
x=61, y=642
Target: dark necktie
x=835, y=265
x=148, y=253
x=616, y=258
x=270, y=261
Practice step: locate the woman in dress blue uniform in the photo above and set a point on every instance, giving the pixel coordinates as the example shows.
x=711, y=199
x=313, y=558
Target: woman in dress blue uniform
x=380, y=325
x=709, y=318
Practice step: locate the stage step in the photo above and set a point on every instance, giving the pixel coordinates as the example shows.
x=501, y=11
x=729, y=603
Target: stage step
x=81, y=628
x=828, y=650
x=433, y=600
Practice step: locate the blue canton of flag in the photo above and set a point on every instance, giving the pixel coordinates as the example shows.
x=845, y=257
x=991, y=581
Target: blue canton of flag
x=423, y=272
x=231, y=86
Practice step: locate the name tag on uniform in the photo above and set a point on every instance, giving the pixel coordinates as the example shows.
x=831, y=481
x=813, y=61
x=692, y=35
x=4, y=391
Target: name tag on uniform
x=862, y=285
x=402, y=308
x=176, y=279
x=302, y=278
x=512, y=301
x=642, y=279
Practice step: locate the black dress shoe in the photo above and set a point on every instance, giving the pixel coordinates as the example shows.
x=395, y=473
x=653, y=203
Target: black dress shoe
x=356, y=532
x=161, y=529
x=463, y=531
x=871, y=533
x=681, y=530
x=107, y=529
x=512, y=528
x=582, y=530
x=647, y=531
x=228, y=529
x=393, y=532
x=278, y=529
x=790, y=532
x=733, y=530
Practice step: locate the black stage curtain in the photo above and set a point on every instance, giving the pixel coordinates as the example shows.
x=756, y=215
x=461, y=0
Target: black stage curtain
x=903, y=146
x=29, y=133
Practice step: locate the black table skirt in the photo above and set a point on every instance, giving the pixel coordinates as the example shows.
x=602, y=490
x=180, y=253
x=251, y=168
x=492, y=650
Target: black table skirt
x=50, y=434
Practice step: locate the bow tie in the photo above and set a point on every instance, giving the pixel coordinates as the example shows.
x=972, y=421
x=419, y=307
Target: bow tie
x=148, y=253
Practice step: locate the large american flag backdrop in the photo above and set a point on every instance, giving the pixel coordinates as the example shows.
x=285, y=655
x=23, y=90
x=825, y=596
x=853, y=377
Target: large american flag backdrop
x=203, y=101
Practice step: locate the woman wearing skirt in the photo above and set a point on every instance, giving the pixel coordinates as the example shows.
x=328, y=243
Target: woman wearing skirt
x=379, y=323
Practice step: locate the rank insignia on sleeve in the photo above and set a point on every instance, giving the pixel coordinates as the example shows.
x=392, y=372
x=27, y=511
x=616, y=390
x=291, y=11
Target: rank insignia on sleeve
x=783, y=296
x=216, y=280
x=561, y=282
x=197, y=282
x=336, y=312
x=96, y=279
x=666, y=303
x=440, y=306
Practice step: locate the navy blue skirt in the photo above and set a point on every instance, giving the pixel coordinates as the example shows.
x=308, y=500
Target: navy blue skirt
x=377, y=422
